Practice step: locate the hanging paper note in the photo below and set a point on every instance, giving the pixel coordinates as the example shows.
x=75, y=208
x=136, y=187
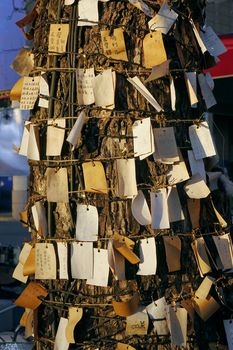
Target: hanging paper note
x=23, y=150
x=46, y=267
x=88, y=13
x=29, y=298
x=121, y=346
x=191, y=83
x=87, y=223
x=137, y=324
x=194, y=208
x=203, y=290
x=30, y=92
x=174, y=206
x=206, y=91
x=159, y=209
x=116, y=262
x=173, y=252
x=39, y=217
x=172, y=93
x=140, y=209
x=200, y=253
x=104, y=88
x=212, y=42
x=201, y=140
x=143, y=7
x=219, y=217
x=94, y=177
x=29, y=266
x=62, y=250
x=126, y=178
x=156, y=312
x=178, y=172
x=148, y=258
x=114, y=44
x=223, y=244
x=18, y=271
x=136, y=82
x=196, y=187
x=75, y=315
x=177, y=318
x=16, y=91
x=198, y=37
x=163, y=20
x=197, y=166
x=228, y=325
x=74, y=136
x=55, y=136
x=126, y=308
x=82, y=260
x=124, y=246
x=153, y=49
x=61, y=343
x=57, y=185
x=101, y=268
x=159, y=71
x=33, y=149
x=143, y=138
x=166, y=144
x=205, y=308
x=44, y=92
x=84, y=78
x=24, y=62
x=58, y=36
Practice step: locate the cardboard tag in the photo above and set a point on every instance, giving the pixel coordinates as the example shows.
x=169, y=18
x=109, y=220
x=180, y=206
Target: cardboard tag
x=153, y=49
x=228, y=325
x=166, y=144
x=200, y=253
x=143, y=7
x=174, y=206
x=173, y=251
x=55, y=136
x=201, y=141
x=197, y=166
x=75, y=315
x=44, y=92
x=205, y=307
x=82, y=260
x=159, y=71
x=196, y=187
x=124, y=246
x=219, y=217
x=126, y=178
x=143, y=138
x=114, y=44
x=58, y=36
x=57, y=185
x=30, y=92
x=16, y=91
x=126, y=308
x=29, y=266
x=101, y=268
x=84, y=78
x=94, y=177
x=61, y=342
x=46, y=265
x=88, y=13
x=74, y=136
x=137, y=324
x=104, y=85
x=29, y=296
x=140, y=209
x=177, y=324
x=148, y=257
x=39, y=217
x=87, y=223
x=116, y=262
x=212, y=42
x=223, y=244
x=203, y=290
x=159, y=209
x=121, y=346
x=191, y=83
x=163, y=20
x=206, y=91
x=62, y=250
x=194, y=208
x=24, y=62
x=18, y=271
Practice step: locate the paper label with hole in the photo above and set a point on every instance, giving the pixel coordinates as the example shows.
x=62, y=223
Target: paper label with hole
x=33, y=150
x=200, y=253
x=104, y=88
x=197, y=166
x=23, y=150
x=206, y=91
x=23, y=62
x=205, y=308
x=94, y=177
x=114, y=44
x=137, y=324
x=127, y=307
x=55, y=136
x=29, y=296
x=57, y=185
x=198, y=37
x=212, y=42
x=173, y=252
x=178, y=173
x=62, y=250
x=140, y=209
x=166, y=144
x=136, y=82
x=143, y=138
x=101, y=268
x=203, y=290
x=201, y=141
x=75, y=134
x=126, y=178
x=156, y=312
x=44, y=92
x=87, y=223
x=88, y=13
x=196, y=187
x=82, y=256
x=159, y=209
x=191, y=83
x=175, y=210
x=148, y=257
x=30, y=92
x=29, y=266
x=39, y=217
x=153, y=49
x=143, y=7
x=177, y=323
x=116, y=262
x=75, y=315
x=159, y=71
x=85, y=94
x=61, y=343
x=58, y=36
x=228, y=325
x=124, y=246
x=223, y=244
x=163, y=20
x=18, y=271
x=46, y=265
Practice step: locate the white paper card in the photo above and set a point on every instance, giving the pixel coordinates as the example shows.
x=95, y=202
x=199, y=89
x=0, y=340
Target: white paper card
x=178, y=173
x=60, y=340
x=57, y=185
x=203, y=290
x=201, y=140
x=88, y=12
x=23, y=151
x=30, y=92
x=196, y=187
x=33, y=150
x=159, y=209
x=164, y=19
x=87, y=223
x=143, y=138
x=116, y=262
x=177, y=324
x=140, y=209
x=82, y=260
x=165, y=143
x=197, y=165
x=55, y=136
x=174, y=206
x=191, y=82
x=156, y=309
x=126, y=178
x=224, y=247
x=62, y=250
x=74, y=136
x=148, y=257
x=85, y=94
x=18, y=271
x=104, y=88
x=228, y=325
x=45, y=258
x=212, y=42
x=101, y=268
x=39, y=217
x=206, y=91
x=44, y=92
x=198, y=37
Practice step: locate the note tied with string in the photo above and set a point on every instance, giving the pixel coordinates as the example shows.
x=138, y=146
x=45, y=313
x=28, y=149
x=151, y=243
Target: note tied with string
x=173, y=252
x=166, y=144
x=205, y=308
x=30, y=92
x=94, y=177
x=177, y=319
x=163, y=20
x=114, y=44
x=126, y=178
x=29, y=298
x=57, y=185
x=61, y=342
x=153, y=49
x=175, y=210
x=137, y=324
x=85, y=94
x=201, y=256
x=46, y=266
x=116, y=262
x=87, y=223
x=104, y=85
x=88, y=13
x=201, y=140
x=196, y=187
x=62, y=251
x=159, y=209
x=148, y=257
x=82, y=260
x=75, y=134
x=55, y=136
x=224, y=247
x=140, y=209
x=143, y=138
x=156, y=312
x=75, y=315
x=58, y=36
x=101, y=268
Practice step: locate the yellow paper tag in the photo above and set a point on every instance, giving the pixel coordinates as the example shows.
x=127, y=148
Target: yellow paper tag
x=154, y=50
x=58, y=38
x=29, y=296
x=114, y=45
x=94, y=177
x=74, y=317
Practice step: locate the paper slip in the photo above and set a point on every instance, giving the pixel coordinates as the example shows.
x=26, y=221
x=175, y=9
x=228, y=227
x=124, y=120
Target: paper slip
x=44, y=92
x=201, y=141
x=16, y=91
x=114, y=44
x=174, y=206
x=209, y=80
x=105, y=81
x=136, y=82
x=166, y=144
x=143, y=7
x=88, y=13
x=40, y=219
x=18, y=271
x=159, y=71
x=94, y=177
x=143, y=138
x=219, y=217
x=196, y=187
x=75, y=134
x=26, y=321
x=29, y=296
x=197, y=165
x=126, y=178
x=212, y=42
x=69, y=2
x=161, y=327
x=23, y=150
x=200, y=253
x=33, y=149
x=172, y=93
x=30, y=92
x=153, y=49
x=55, y=136
x=87, y=223
x=46, y=266
x=29, y=266
x=82, y=257
x=173, y=251
x=178, y=172
x=137, y=324
x=203, y=290
x=57, y=185
x=126, y=308
x=194, y=208
x=156, y=310
x=124, y=246
x=140, y=209
x=206, y=91
x=121, y=346
x=75, y=315
x=58, y=36
x=61, y=343
x=62, y=250
x=24, y=62
x=84, y=78
x=148, y=257
x=164, y=19
x=159, y=209
x=101, y=268
x=116, y=262
x=177, y=324
x=228, y=325
x=223, y=244
x=198, y=37
x=205, y=308
x=191, y=83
